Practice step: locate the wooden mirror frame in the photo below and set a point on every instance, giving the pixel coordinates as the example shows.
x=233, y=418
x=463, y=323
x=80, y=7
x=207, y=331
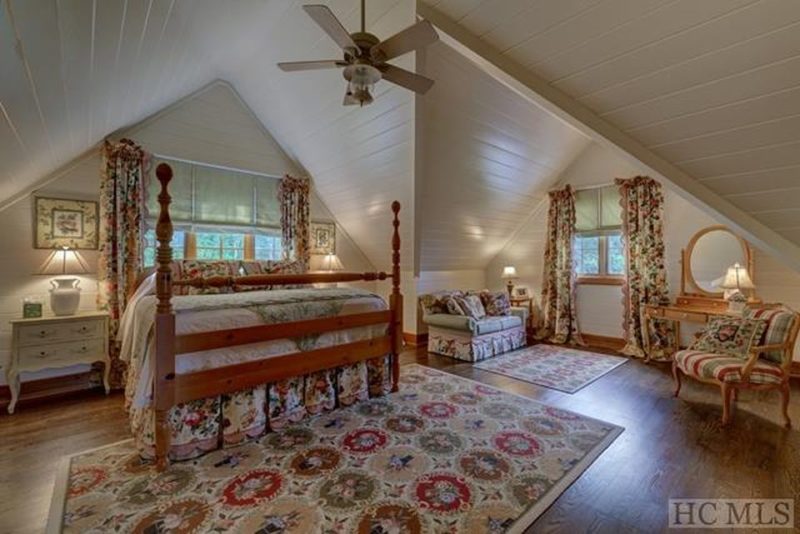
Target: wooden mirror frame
x=689, y=286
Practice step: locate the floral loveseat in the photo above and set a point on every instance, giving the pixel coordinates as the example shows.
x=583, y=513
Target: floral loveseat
x=472, y=325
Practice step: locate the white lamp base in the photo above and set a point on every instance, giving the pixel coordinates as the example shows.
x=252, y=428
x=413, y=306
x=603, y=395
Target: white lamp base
x=65, y=296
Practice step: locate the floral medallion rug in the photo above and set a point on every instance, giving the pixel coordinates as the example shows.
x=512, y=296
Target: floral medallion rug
x=444, y=454
x=551, y=366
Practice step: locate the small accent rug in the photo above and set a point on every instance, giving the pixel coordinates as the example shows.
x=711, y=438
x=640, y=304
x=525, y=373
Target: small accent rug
x=444, y=454
x=561, y=368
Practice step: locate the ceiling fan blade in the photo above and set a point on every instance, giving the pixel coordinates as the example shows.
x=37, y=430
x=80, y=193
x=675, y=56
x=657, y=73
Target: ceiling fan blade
x=409, y=80
x=323, y=16
x=289, y=66
x=412, y=38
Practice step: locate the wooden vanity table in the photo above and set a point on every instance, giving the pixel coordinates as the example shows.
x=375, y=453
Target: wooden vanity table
x=706, y=259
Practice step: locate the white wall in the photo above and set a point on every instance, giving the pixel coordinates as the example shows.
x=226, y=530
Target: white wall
x=600, y=308
x=212, y=127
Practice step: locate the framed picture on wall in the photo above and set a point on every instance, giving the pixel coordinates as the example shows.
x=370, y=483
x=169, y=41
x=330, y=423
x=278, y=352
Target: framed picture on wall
x=323, y=238
x=60, y=222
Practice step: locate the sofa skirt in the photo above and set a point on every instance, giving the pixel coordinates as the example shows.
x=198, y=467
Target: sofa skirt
x=208, y=424
x=464, y=346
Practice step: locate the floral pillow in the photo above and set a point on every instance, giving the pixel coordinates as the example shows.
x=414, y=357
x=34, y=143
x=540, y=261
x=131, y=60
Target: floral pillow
x=496, y=303
x=434, y=303
x=192, y=269
x=454, y=307
x=272, y=267
x=472, y=306
x=730, y=335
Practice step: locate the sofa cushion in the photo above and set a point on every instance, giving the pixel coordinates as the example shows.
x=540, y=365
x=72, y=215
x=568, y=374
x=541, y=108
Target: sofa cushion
x=725, y=368
x=454, y=307
x=490, y=324
x=732, y=336
x=496, y=303
x=779, y=324
x=472, y=306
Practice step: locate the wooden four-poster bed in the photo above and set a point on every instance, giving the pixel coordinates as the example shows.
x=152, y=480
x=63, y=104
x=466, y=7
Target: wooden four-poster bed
x=171, y=389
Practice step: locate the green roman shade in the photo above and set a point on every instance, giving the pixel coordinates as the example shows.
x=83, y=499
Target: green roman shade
x=597, y=209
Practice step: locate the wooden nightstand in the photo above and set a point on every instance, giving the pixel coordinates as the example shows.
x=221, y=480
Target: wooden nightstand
x=55, y=342
x=525, y=302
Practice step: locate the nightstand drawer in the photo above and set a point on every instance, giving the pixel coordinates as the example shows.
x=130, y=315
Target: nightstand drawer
x=61, y=354
x=76, y=330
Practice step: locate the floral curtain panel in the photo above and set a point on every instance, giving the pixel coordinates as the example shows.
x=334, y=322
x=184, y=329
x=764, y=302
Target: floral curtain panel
x=643, y=236
x=121, y=210
x=294, y=200
x=558, y=293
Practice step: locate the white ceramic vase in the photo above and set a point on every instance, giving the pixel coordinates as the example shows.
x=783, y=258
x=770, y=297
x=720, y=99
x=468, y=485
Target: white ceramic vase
x=65, y=296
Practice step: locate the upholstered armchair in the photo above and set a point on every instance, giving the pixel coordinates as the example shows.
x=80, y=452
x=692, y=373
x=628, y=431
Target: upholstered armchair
x=761, y=362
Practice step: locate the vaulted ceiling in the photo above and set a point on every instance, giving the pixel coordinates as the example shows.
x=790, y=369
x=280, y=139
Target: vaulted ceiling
x=712, y=87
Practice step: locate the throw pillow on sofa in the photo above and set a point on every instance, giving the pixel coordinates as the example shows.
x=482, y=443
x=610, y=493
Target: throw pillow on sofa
x=496, y=303
x=454, y=307
x=730, y=335
x=472, y=306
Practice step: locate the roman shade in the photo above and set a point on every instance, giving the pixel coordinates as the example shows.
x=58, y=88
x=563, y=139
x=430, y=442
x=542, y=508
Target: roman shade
x=597, y=209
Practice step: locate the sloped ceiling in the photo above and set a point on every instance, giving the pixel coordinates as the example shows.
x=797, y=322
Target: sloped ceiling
x=488, y=158
x=712, y=87
x=74, y=71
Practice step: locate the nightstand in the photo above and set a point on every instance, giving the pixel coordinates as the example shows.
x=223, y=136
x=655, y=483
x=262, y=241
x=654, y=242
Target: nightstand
x=525, y=302
x=55, y=342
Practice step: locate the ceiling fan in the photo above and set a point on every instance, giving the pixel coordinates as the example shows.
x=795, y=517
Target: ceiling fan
x=365, y=55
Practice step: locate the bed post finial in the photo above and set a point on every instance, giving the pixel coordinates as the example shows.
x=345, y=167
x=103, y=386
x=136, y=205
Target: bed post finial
x=396, y=299
x=164, y=387
x=164, y=237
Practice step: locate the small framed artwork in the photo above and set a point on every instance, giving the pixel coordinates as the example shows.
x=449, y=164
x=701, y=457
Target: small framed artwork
x=323, y=238
x=63, y=222
x=521, y=292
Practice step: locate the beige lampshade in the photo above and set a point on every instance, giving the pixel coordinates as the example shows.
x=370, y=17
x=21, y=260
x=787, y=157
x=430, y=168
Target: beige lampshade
x=331, y=262
x=737, y=277
x=64, y=261
x=509, y=272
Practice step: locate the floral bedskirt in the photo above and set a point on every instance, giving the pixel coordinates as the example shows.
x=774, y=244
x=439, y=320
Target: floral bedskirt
x=225, y=420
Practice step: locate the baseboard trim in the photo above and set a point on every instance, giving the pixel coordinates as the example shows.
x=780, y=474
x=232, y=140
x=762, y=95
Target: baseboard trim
x=37, y=391
x=604, y=342
x=415, y=340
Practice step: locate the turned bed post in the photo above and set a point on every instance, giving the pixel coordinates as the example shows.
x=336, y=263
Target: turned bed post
x=396, y=299
x=164, y=387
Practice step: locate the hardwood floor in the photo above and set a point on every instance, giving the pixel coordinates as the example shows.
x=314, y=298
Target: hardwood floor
x=670, y=448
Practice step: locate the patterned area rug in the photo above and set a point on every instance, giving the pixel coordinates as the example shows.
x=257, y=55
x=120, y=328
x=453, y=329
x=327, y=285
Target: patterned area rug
x=561, y=368
x=444, y=454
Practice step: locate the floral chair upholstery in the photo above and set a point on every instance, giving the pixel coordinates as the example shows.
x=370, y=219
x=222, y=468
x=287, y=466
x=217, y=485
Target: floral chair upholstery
x=500, y=329
x=751, y=352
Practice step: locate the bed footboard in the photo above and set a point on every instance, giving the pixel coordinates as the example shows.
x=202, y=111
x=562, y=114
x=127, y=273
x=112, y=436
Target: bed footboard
x=170, y=389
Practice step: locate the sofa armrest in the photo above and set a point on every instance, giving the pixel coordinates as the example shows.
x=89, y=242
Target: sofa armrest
x=444, y=320
x=522, y=313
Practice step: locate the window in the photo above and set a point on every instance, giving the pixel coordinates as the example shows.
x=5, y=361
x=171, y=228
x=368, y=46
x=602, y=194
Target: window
x=267, y=247
x=599, y=254
x=150, y=244
x=218, y=214
x=217, y=246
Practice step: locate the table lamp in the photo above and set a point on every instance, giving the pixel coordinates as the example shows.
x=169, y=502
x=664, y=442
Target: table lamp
x=65, y=295
x=510, y=274
x=330, y=264
x=736, y=279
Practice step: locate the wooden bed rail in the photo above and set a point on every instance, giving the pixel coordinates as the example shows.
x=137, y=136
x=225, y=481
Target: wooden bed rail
x=169, y=389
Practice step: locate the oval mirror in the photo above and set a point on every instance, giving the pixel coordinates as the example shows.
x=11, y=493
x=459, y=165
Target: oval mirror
x=711, y=252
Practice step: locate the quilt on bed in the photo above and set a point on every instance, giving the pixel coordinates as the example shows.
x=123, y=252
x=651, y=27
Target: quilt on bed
x=204, y=425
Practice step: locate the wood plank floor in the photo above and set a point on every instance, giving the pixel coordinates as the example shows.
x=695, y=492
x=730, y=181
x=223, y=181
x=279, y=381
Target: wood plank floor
x=670, y=448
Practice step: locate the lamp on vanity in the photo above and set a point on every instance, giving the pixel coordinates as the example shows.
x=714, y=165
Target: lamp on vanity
x=510, y=274
x=65, y=295
x=736, y=279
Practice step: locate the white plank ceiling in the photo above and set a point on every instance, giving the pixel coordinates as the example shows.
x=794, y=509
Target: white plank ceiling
x=712, y=86
x=488, y=156
x=74, y=71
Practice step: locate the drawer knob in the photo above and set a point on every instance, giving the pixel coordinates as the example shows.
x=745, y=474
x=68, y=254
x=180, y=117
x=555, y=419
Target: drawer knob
x=43, y=333
x=43, y=353
x=83, y=329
